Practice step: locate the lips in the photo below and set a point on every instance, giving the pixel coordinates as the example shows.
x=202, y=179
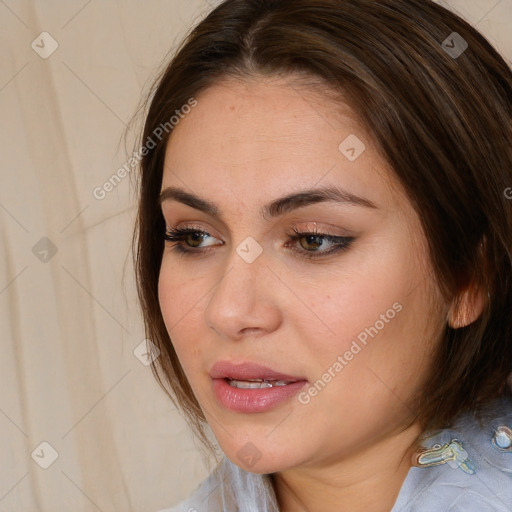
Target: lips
x=249, y=371
x=252, y=388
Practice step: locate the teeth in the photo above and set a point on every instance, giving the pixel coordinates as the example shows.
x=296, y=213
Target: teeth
x=256, y=383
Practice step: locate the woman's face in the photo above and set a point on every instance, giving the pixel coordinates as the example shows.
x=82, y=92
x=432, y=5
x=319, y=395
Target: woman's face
x=346, y=323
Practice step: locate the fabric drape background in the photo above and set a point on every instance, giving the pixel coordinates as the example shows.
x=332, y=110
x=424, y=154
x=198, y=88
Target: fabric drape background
x=83, y=424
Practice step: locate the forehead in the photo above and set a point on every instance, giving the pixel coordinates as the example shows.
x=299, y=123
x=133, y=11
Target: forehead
x=269, y=137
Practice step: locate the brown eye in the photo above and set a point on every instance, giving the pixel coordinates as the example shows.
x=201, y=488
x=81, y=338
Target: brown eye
x=194, y=237
x=311, y=242
x=188, y=240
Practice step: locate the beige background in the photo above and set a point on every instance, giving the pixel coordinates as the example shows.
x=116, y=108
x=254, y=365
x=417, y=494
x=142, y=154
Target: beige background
x=70, y=321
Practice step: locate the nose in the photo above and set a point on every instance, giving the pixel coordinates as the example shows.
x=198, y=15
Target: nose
x=245, y=301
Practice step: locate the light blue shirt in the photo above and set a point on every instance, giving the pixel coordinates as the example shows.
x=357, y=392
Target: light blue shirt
x=472, y=473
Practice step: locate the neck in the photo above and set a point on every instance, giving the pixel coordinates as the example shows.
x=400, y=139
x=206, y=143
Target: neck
x=369, y=480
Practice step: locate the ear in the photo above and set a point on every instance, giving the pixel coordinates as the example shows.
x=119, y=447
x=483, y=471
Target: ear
x=467, y=307
x=469, y=304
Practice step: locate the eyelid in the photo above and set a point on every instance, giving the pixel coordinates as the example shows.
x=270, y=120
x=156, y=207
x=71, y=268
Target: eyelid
x=340, y=243
x=303, y=227
x=324, y=229
x=191, y=227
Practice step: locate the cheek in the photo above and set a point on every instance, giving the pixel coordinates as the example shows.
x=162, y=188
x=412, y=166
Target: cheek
x=376, y=319
x=354, y=300
x=168, y=296
x=179, y=293
x=179, y=303
x=370, y=369
x=360, y=320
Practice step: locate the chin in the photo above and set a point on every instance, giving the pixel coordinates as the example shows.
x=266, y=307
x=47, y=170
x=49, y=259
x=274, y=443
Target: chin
x=259, y=455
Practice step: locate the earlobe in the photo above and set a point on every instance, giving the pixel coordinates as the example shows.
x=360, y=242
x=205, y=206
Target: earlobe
x=467, y=308
x=469, y=304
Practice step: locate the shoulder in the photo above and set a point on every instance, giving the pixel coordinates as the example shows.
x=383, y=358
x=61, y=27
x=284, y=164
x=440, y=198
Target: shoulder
x=467, y=468
x=230, y=488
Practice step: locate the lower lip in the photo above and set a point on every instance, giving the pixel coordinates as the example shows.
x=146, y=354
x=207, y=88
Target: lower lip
x=254, y=400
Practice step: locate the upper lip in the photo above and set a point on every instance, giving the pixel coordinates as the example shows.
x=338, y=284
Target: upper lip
x=247, y=370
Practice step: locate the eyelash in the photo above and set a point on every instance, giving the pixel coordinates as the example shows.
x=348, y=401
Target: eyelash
x=342, y=243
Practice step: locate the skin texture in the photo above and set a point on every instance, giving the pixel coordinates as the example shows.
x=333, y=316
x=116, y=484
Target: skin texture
x=243, y=145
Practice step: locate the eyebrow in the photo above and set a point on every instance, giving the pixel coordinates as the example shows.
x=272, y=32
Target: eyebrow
x=275, y=208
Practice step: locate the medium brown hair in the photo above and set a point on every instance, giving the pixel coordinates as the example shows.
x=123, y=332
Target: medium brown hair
x=442, y=122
